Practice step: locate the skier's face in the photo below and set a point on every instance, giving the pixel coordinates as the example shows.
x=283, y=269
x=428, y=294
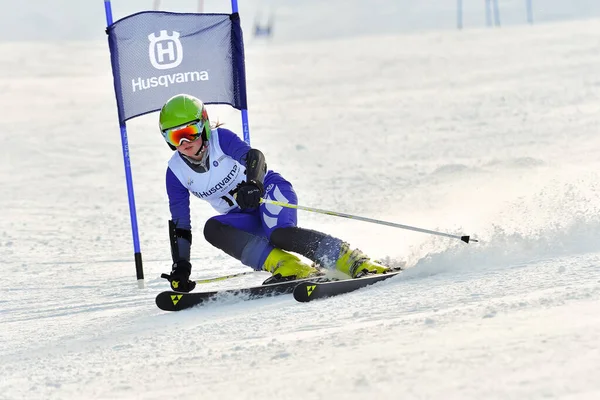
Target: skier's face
x=194, y=150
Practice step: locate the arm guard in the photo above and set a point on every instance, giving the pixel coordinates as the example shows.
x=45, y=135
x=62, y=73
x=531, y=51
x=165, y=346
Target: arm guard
x=181, y=242
x=256, y=167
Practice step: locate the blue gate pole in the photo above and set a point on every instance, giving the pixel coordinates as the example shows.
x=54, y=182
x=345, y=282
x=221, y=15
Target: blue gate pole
x=496, y=13
x=124, y=144
x=488, y=12
x=245, y=125
x=459, y=14
x=529, y=11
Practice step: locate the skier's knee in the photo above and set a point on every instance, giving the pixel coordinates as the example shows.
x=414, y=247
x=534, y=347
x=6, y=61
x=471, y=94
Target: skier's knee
x=281, y=237
x=212, y=230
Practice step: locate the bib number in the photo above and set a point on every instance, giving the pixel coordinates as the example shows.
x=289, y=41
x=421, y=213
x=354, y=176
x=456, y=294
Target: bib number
x=230, y=198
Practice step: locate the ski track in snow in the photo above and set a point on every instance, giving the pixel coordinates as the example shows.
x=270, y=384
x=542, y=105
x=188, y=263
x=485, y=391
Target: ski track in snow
x=503, y=317
x=492, y=133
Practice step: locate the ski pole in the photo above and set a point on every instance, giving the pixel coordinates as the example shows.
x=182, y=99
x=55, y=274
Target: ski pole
x=465, y=239
x=222, y=278
x=218, y=278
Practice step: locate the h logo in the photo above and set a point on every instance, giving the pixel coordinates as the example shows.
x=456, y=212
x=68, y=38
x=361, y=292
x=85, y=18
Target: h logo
x=165, y=46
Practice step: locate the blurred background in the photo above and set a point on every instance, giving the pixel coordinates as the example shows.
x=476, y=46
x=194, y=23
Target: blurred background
x=291, y=19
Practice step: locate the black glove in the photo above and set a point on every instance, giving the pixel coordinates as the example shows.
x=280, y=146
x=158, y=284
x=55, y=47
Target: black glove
x=180, y=277
x=249, y=194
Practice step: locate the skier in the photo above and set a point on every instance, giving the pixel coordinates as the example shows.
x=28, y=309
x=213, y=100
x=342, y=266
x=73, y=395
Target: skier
x=215, y=165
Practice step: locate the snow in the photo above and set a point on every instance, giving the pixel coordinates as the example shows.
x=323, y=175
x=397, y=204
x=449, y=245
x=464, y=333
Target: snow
x=293, y=20
x=490, y=133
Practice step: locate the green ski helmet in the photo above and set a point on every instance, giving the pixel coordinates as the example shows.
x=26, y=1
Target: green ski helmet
x=181, y=110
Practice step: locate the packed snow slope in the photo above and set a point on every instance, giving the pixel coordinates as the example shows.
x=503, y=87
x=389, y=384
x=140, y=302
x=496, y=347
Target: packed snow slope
x=489, y=133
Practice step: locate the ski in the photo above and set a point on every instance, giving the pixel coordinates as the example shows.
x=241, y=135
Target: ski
x=308, y=291
x=177, y=301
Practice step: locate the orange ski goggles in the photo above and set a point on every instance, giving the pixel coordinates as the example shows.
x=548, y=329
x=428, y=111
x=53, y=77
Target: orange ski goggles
x=186, y=133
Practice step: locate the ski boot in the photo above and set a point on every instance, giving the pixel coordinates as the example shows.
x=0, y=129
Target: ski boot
x=356, y=264
x=286, y=267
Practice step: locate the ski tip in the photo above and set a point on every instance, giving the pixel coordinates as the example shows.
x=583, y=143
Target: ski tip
x=303, y=291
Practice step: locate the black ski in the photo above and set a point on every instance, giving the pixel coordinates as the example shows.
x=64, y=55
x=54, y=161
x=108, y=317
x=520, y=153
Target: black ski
x=177, y=301
x=308, y=291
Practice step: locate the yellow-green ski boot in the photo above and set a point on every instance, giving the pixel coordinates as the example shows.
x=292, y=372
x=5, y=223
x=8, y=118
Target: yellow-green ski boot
x=285, y=266
x=355, y=263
